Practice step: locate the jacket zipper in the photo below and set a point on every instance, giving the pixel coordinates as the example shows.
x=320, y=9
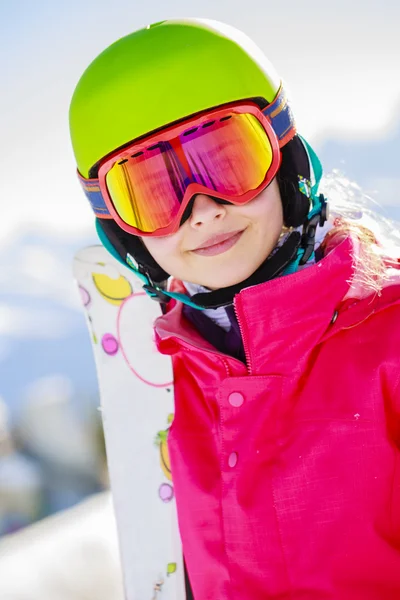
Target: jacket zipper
x=244, y=338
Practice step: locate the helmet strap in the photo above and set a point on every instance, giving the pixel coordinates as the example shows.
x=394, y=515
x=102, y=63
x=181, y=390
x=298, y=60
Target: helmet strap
x=318, y=214
x=272, y=267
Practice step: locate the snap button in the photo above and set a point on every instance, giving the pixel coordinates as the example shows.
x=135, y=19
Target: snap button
x=232, y=460
x=236, y=399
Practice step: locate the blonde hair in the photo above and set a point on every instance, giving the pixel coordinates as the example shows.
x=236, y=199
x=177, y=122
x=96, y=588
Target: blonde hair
x=376, y=238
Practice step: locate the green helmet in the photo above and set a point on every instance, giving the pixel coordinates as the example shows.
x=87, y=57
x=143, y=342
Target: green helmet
x=163, y=73
x=158, y=75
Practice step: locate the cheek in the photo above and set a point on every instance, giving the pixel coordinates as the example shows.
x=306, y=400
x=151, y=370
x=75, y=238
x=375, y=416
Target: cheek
x=164, y=250
x=266, y=212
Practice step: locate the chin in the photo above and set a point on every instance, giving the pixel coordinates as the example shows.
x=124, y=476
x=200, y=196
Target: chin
x=219, y=282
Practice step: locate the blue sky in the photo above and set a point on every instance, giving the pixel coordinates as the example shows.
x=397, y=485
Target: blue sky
x=340, y=61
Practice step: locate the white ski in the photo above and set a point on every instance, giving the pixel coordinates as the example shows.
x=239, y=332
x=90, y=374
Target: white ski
x=136, y=393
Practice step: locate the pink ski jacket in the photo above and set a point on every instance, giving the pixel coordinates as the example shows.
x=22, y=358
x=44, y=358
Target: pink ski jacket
x=287, y=470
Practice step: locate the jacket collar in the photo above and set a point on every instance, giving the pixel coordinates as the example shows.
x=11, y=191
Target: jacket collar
x=284, y=319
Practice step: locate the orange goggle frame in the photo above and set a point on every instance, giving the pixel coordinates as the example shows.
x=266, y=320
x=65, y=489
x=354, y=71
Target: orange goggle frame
x=231, y=153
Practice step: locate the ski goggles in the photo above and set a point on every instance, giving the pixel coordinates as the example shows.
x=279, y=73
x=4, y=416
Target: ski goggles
x=231, y=153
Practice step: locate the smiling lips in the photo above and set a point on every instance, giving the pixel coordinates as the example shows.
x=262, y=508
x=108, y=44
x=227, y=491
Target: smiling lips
x=219, y=243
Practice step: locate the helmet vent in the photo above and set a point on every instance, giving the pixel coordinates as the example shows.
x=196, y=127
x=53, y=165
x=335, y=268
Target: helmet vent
x=190, y=131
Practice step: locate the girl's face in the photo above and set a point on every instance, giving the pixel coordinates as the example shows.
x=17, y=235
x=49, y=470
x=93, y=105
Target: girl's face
x=221, y=244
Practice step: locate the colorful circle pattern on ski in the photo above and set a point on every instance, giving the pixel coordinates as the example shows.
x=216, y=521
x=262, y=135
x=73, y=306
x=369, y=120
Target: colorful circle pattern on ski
x=110, y=344
x=134, y=332
x=114, y=291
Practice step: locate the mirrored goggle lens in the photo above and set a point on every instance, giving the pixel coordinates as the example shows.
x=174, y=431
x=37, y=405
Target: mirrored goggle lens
x=231, y=155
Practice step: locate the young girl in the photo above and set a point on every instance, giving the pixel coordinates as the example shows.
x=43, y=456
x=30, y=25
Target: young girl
x=283, y=325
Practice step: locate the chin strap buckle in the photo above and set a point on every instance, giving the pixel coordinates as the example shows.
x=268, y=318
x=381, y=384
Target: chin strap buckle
x=310, y=228
x=156, y=294
x=151, y=289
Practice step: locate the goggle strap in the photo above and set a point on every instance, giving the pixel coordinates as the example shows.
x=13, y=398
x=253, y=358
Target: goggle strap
x=92, y=190
x=281, y=118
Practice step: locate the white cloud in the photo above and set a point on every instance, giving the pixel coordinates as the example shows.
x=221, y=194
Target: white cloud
x=35, y=323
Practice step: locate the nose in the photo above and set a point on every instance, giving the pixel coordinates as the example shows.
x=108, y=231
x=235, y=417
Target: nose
x=205, y=210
